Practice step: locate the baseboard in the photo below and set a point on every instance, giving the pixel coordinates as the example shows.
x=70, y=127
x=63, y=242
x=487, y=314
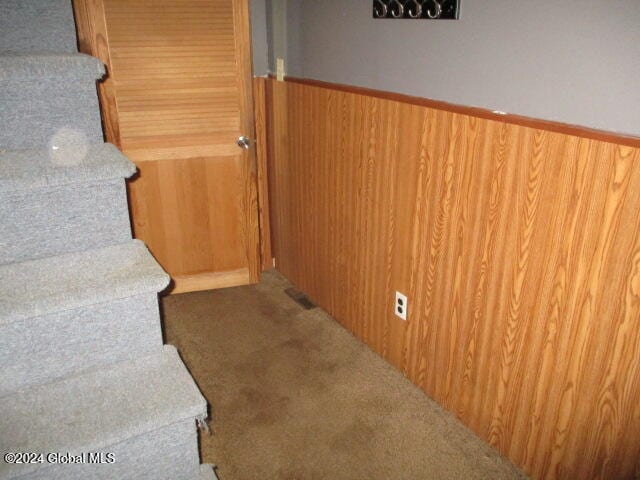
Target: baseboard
x=209, y=281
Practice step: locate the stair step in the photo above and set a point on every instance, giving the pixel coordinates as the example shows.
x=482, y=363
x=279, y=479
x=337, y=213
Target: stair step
x=35, y=169
x=60, y=201
x=169, y=453
x=41, y=66
x=120, y=409
x=54, y=284
x=49, y=100
x=37, y=26
x=66, y=314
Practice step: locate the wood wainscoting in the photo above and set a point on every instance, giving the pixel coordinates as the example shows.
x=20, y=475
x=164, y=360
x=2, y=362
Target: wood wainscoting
x=519, y=250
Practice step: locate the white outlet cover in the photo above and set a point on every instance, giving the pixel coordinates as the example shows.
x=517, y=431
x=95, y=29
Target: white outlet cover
x=280, y=69
x=401, y=306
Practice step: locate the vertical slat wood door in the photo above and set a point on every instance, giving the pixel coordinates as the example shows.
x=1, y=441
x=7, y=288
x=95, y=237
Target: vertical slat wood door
x=180, y=82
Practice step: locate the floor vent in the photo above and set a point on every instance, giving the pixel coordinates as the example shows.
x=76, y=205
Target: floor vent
x=300, y=298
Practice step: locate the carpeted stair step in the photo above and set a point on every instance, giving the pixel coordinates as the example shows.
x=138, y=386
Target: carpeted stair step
x=60, y=201
x=49, y=100
x=37, y=26
x=66, y=314
x=140, y=415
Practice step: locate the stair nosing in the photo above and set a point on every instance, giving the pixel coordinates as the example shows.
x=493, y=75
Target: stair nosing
x=165, y=373
x=27, y=66
x=22, y=297
x=32, y=169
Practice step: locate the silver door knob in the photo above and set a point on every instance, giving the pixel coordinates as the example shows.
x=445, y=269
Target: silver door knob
x=244, y=142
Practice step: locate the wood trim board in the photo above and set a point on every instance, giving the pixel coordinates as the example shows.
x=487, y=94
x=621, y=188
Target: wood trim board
x=548, y=125
x=94, y=40
x=242, y=38
x=209, y=281
x=262, y=152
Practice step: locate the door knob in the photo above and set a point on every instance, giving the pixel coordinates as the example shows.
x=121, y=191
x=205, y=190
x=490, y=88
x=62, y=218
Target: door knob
x=244, y=142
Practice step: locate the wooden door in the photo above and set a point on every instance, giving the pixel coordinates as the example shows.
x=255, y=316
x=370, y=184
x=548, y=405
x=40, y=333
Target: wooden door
x=176, y=99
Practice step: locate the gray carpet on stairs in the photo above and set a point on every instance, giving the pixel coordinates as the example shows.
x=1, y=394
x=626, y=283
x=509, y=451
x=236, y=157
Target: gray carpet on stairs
x=22, y=170
x=101, y=409
x=36, y=26
x=83, y=338
x=65, y=219
x=169, y=453
x=83, y=365
x=54, y=284
x=49, y=101
x=63, y=315
x=47, y=66
x=60, y=201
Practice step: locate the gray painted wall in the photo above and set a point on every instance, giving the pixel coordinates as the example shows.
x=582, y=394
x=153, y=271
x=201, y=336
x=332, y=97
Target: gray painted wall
x=259, y=42
x=283, y=31
x=574, y=61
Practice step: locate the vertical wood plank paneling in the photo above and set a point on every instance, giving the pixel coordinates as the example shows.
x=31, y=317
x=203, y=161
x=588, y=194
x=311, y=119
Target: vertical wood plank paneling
x=519, y=249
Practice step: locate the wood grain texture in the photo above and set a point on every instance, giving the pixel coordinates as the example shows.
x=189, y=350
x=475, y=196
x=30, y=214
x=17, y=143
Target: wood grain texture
x=548, y=125
x=244, y=76
x=180, y=77
x=262, y=152
x=93, y=39
x=519, y=250
x=209, y=281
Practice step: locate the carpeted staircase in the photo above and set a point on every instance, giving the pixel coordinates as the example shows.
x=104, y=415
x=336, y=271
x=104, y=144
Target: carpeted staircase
x=86, y=384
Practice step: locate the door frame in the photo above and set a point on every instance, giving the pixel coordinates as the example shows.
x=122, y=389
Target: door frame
x=242, y=37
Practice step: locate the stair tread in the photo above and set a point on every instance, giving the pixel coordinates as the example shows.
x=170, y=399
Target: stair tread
x=98, y=409
x=32, y=169
x=64, y=282
x=25, y=66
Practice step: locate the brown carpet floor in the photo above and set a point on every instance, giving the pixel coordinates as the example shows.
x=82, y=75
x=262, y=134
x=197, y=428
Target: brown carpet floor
x=294, y=395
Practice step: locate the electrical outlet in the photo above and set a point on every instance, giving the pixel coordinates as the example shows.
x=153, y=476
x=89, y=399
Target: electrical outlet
x=280, y=69
x=401, y=306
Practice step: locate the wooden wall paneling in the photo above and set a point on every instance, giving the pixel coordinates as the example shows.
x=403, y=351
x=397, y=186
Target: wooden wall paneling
x=181, y=77
x=478, y=112
x=262, y=152
x=519, y=249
